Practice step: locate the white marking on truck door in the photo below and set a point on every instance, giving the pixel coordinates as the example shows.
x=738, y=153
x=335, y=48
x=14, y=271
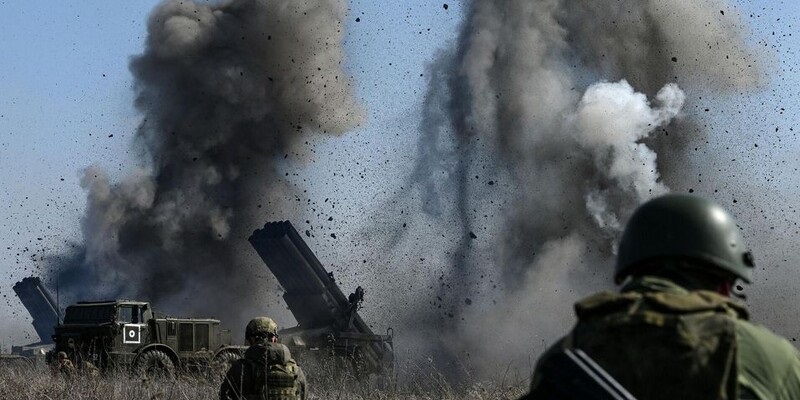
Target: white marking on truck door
x=132, y=334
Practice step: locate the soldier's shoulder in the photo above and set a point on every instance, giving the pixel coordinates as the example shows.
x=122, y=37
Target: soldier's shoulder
x=282, y=351
x=562, y=343
x=236, y=366
x=281, y=346
x=769, y=364
x=751, y=335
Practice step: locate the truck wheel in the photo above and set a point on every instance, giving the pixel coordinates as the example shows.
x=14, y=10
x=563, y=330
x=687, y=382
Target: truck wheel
x=154, y=363
x=225, y=359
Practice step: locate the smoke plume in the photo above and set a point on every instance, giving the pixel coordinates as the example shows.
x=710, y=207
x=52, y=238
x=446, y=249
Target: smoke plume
x=565, y=105
x=224, y=91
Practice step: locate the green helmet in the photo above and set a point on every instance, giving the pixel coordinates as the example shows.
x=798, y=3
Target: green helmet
x=261, y=326
x=679, y=225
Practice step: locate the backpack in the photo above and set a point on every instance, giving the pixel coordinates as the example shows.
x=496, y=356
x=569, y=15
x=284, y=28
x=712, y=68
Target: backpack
x=661, y=345
x=275, y=377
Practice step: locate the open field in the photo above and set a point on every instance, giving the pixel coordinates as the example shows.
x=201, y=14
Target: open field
x=26, y=382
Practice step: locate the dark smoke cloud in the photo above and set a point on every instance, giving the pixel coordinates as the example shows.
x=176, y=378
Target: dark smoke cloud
x=224, y=91
x=569, y=100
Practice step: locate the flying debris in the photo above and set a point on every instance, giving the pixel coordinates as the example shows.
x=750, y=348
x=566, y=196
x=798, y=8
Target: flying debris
x=326, y=318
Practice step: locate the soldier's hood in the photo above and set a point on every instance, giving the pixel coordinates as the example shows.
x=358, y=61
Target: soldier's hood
x=272, y=353
x=662, y=296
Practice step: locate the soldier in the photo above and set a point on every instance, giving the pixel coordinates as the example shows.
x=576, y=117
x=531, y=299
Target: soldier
x=673, y=332
x=90, y=370
x=63, y=366
x=267, y=370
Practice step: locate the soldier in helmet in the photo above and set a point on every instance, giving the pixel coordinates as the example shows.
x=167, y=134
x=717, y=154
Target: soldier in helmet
x=63, y=366
x=267, y=370
x=673, y=331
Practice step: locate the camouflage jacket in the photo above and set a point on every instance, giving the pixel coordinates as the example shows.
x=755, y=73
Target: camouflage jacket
x=661, y=341
x=63, y=368
x=267, y=371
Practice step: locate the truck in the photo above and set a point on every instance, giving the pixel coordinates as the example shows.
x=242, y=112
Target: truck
x=329, y=325
x=129, y=334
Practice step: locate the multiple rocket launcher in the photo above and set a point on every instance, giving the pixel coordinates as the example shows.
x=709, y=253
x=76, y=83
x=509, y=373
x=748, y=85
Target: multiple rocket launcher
x=44, y=310
x=40, y=304
x=326, y=318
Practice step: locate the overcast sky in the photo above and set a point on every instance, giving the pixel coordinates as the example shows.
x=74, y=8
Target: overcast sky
x=66, y=102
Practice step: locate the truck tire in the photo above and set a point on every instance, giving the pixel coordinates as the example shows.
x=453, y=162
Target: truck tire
x=154, y=363
x=225, y=359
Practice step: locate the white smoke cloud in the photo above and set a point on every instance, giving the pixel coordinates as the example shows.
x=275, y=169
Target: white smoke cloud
x=609, y=123
x=519, y=94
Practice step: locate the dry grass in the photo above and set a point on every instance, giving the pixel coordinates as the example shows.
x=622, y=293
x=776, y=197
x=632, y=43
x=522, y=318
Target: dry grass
x=21, y=381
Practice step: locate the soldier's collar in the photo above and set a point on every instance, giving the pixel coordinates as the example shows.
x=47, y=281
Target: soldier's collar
x=653, y=284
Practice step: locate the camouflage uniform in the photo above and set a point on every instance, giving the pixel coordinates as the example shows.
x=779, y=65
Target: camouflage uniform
x=673, y=332
x=90, y=370
x=248, y=377
x=267, y=370
x=63, y=366
x=661, y=341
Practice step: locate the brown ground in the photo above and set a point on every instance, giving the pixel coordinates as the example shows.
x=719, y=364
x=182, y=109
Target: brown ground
x=21, y=381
